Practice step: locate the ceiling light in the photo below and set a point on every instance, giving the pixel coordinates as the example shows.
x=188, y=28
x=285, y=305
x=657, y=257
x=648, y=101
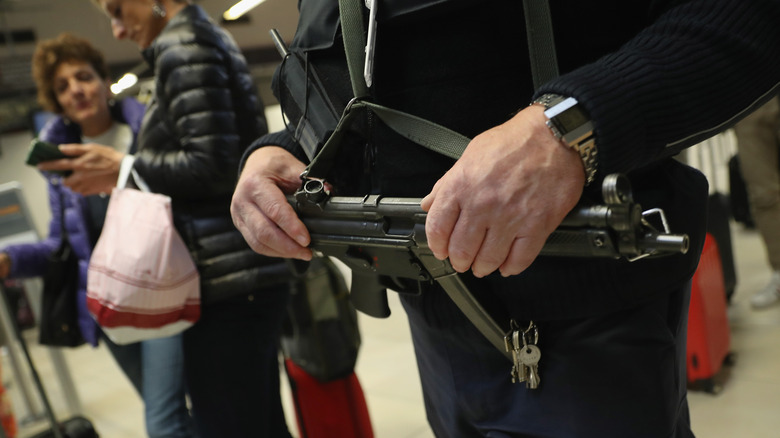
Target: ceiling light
x=125, y=82
x=240, y=9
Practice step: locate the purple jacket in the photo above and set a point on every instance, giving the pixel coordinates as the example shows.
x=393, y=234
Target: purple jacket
x=29, y=260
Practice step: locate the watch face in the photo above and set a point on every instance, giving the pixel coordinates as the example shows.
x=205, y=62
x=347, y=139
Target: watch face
x=570, y=120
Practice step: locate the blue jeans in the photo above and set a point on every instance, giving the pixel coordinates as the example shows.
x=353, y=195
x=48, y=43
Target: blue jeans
x=156, y=370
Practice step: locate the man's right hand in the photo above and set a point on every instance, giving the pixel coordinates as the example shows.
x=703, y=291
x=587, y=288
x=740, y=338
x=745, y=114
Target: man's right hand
x=260, y=209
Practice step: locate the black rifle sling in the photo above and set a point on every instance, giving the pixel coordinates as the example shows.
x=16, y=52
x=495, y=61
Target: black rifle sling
x=431, y=135
x=541, y=44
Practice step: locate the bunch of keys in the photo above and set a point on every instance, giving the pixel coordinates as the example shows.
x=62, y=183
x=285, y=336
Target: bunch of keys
x=525, y=353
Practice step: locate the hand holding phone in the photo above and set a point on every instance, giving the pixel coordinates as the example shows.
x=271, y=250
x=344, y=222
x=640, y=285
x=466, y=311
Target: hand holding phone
x=41, y=151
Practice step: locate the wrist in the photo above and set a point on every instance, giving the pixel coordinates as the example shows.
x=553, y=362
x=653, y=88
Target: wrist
x=569, y=122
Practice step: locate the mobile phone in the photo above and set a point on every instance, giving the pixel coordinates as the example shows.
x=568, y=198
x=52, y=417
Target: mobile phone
x=41, y=151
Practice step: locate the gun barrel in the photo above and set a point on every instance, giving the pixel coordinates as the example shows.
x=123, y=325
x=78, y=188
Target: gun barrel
x=667, y=243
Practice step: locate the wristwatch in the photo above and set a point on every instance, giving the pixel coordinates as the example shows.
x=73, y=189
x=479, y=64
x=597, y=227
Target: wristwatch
x=572, y=125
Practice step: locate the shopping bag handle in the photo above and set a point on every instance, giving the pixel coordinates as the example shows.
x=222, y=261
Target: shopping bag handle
x=125, y=170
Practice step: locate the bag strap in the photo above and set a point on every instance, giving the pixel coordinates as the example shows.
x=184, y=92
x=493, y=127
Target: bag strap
x=421, y=131
x=125, y=170
x=63, y=231
x=541, y=42
x=435, y=137
x=544, y=67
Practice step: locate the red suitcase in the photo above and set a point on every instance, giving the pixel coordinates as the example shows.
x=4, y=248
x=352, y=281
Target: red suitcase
x=335, y=409
x=708, y=326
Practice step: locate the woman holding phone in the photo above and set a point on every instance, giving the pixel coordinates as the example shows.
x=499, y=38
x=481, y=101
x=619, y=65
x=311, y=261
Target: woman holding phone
x=73, y=82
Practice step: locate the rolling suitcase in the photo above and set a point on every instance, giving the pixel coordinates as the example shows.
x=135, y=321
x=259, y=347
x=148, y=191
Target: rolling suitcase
x=74, y=427
x=708, y=327
x=719, y=227
x=334, y=409
x=719, y=206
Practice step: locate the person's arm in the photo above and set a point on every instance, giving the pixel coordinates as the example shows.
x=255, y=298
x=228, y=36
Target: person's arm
x=693, y=73
x=30, y=259
x=204, y=147
x=701, y=67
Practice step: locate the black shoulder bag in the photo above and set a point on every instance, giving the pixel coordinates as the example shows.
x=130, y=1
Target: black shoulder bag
x=321, y=333
x=58, y=322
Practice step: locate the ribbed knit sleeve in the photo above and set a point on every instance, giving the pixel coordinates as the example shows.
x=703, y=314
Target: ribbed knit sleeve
x=679, y=81
x=280, y=138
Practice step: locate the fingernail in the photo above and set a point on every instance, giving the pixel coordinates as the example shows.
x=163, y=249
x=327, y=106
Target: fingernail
x=301, y=239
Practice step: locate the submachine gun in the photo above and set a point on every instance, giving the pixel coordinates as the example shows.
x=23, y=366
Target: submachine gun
x=385, y=236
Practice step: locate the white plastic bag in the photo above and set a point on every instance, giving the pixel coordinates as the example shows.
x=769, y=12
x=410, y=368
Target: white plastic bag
x=141, y=282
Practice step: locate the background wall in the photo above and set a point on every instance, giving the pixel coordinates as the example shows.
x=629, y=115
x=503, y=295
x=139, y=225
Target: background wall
x=48, y=18
x=13, y=152
x=24, y=23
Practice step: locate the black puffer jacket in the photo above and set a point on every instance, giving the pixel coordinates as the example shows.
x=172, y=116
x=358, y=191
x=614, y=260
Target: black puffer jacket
x=203, y=114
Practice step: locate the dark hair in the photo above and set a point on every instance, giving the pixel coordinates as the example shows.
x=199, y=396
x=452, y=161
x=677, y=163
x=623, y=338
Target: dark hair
x=48, y=56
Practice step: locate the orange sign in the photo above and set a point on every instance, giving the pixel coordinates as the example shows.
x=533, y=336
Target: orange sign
x=11, y=209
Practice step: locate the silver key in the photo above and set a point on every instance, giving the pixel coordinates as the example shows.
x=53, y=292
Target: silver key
x=512, y=343
x=529, y=356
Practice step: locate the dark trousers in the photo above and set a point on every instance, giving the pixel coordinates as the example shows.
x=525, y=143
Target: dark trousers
x=232, y=368
x=617, y=375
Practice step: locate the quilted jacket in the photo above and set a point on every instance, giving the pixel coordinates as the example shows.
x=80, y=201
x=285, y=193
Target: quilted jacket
x=203, y=114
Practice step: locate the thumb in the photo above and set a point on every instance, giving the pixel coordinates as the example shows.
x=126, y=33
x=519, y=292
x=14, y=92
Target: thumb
x=73, y=149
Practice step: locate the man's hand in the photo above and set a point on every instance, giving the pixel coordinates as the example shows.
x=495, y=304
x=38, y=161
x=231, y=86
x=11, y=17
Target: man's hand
x=495, y=208
x=260, y=209
x=95, y=167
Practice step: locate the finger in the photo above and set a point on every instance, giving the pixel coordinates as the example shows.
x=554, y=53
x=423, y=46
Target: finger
x=265, y=237
x=90, y=182
x=268, y=222
x=492, y=254
x=59, y=164
x=439, y=223
x=73, y=149
x=464, y=244
x=522, y=253
x=281, y=213
x=76, y=182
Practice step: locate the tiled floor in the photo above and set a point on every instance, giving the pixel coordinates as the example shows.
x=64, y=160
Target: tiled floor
x=748, y=406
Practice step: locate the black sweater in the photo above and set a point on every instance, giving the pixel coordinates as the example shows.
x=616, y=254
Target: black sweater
x=655, y=76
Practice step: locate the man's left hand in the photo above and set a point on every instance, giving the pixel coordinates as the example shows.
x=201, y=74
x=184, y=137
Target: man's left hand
x=511, y=188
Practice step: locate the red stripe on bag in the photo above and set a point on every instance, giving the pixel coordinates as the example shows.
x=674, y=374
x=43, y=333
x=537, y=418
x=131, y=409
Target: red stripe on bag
x=108, y=317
